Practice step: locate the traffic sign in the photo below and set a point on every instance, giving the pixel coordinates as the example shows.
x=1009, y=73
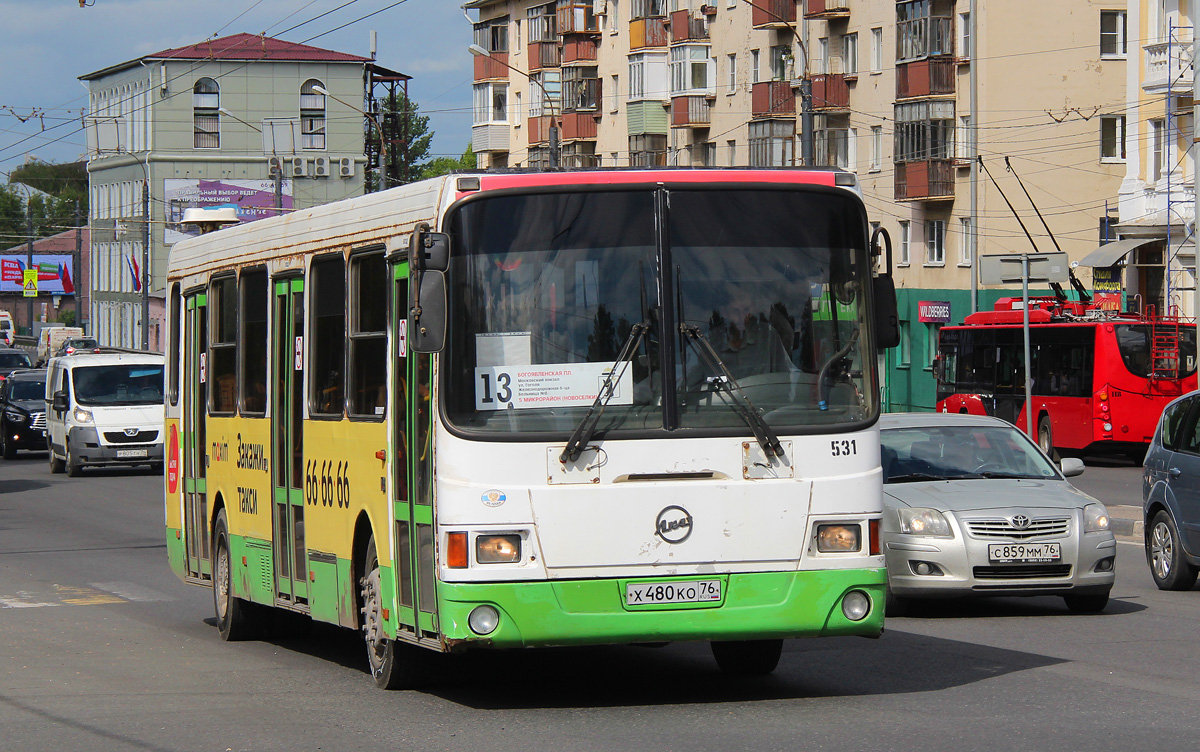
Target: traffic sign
x=30, y=283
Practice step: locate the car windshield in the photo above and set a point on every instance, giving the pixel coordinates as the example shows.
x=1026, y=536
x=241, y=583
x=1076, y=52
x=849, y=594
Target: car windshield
x=14, y=359
x=27, y=390
x=120, y=384
x=960, y=452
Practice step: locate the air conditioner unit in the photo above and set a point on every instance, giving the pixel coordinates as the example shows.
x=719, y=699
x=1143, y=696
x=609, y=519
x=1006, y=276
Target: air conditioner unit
x=274, y=166
x=346, y=167
x=299, y=167
x=321, y=167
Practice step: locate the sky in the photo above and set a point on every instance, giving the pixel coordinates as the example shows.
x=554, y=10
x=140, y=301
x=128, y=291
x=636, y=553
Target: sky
x=45, y=45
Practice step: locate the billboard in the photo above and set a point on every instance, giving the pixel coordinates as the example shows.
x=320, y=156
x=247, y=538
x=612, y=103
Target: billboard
x=253, y=199
x=53, y=273
x=933, y=311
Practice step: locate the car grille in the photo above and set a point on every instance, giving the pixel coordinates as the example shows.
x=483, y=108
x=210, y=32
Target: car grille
x=1023, y=572
x=1002, y=528
x=141, y=437
x=39, y=421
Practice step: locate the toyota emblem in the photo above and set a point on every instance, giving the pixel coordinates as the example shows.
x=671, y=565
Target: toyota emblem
x=1020, y=521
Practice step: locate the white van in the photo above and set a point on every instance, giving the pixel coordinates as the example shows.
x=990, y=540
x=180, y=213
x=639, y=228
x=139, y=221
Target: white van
x=51, y=337
x=104, y=409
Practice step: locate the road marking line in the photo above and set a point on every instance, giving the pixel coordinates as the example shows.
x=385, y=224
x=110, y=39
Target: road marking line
x=131, y=591
x=83, y=596
x=23, y=599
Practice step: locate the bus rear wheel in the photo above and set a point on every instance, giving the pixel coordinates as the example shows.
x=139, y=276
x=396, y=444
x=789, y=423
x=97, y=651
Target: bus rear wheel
x=236, y=619
x=1045, y=435
x=747, y=657
x=393, y=664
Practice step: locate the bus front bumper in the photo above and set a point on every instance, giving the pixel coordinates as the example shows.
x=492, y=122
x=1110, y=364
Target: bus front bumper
x=759, y=606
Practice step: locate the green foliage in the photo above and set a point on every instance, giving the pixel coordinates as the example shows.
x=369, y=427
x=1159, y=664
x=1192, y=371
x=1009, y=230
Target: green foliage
x=447, y=165
x=66, y=316
x=408, y=149
x=62, y=184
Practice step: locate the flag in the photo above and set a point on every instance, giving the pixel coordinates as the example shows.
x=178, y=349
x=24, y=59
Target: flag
x=136, y=272
x=67, y=283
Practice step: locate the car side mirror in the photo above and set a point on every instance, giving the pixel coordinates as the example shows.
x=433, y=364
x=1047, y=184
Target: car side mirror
x=1071, y=466
x=60, y=401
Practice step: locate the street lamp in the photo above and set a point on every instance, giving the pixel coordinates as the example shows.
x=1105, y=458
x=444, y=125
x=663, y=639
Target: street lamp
x=479, y=51
x=806, y=111
x=383, y=156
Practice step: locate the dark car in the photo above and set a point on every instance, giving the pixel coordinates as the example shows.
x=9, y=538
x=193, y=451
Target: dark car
x=10, y=360
x=1171, y=496
x=23, y=412
x=77, y=345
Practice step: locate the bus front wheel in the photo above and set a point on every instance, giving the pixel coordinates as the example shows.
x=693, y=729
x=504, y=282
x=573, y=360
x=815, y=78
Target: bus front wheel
x=394, y=665
x=747, y=657
x=236, y=619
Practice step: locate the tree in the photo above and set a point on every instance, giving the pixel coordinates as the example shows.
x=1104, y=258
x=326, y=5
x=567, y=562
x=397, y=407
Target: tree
x=52, y=208
x=446, y=165
x=408, y=135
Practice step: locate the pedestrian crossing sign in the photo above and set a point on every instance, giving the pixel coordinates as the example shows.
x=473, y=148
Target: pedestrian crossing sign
x=30, y=283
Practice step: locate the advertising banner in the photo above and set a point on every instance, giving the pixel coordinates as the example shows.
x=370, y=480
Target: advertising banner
x=53, y=274
x=253, y=199
x=933, y=311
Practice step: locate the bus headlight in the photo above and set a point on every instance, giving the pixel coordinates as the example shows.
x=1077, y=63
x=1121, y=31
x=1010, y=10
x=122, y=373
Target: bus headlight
x=82, y=416
x=838, y=538
x=498, y=549
x=1095, y=518
x=483, y=620
x=922, y=521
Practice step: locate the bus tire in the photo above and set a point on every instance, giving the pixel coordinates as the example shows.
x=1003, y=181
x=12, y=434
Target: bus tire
x=747, y=657
x=393, y=664
x=56, y=465
x=1168, y=565
x=236, y=619
x=1045, y=435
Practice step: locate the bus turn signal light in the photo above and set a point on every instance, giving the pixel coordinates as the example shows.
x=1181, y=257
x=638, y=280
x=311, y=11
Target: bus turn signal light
x=873, y=543
x=456, y=550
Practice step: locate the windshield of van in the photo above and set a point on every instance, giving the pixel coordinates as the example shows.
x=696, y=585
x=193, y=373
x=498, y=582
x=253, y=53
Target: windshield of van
x=133, y=384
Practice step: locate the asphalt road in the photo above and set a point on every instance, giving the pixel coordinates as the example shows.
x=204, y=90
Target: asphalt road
x=103, y=648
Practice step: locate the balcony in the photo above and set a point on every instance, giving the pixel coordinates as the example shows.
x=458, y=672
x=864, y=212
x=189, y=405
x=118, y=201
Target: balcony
x=544, y=55
x=772, y=98
x=648, y=32
x=493, y=65
x=539, y=129
x=691, y=112
x=773, y=14
x=687, y=28
x=924, y=78
x=1168, y=68
x=827, y=9
x=932, y=180
x=577, y=17
x=577, y=125
x=489, y=137
x=579, y=49
x=830, y=93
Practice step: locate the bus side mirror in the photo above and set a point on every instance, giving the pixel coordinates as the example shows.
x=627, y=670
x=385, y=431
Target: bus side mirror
x=427, y=331
x=429, y=251
x=887, y=318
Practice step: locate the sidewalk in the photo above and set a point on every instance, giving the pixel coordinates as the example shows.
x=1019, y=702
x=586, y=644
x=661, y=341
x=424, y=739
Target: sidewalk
x=1126, y=522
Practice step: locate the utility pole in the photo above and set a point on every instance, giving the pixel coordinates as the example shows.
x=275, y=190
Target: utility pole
x=29, y=261
x=76, y=262
x=146, y=277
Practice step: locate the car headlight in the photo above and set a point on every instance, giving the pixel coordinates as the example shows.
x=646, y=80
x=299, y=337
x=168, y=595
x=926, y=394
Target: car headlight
x=16, y=416
x=923, y=521
x=1095, y=518
x=82, y=416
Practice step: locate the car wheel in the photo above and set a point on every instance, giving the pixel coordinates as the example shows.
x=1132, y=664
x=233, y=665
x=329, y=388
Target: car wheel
x=73, y=467
x=56, y=465
x=1171, y=571
x=393, y=665
x=1045, y=436
x=236, y=619
x=1087, y=604
x=747, y=657
x=9, y=449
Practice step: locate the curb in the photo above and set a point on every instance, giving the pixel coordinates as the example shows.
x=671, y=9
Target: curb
x=1127, y=530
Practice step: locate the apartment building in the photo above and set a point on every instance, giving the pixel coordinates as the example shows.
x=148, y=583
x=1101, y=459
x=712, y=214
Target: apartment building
x=906, y=93
x=261, y=124
x=1156, y=253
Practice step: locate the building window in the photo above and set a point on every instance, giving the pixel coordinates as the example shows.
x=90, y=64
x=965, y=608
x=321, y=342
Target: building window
x=616, y=99
x=312, y=115
x=754, y=66
x=877, y=50
x=690, y=70
x=1112, y=33
x=924, y=131
x=206, y=117
x=876, y=148
x=921, y=30
x=1112, y=138
x=850, y=54
x=781, y=59
x=648, y=9
x=647, y=76
x=935, y=242
x=493, y=35
x=491, y=103
x=772, y=143
x=931, y=343
x=964, y=142
x=732, y=146
x=327, y=301
x=648, y=150
x=835, y=147
x=822, y=56
x=966, y=242
x=732, y=73
x=368, y=334
x=580, y=89
x=905, y=242
x=222, y=347
x=1158, y=150
x=614, y=16
x=964, y=36
x=542, y=24
x=709, y=151
x=905, y=344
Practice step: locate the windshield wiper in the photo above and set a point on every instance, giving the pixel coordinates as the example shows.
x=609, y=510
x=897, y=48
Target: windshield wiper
x=994, y=474
x=908, y=477
x=583, y=432
x=740, y=403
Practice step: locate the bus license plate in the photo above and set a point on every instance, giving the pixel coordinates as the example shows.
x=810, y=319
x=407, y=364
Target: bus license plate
x=650, y=593
x=1024, y=553
x=132, y=454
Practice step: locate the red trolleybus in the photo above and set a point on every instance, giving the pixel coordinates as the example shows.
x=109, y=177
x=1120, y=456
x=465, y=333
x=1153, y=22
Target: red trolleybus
x=1100, y=378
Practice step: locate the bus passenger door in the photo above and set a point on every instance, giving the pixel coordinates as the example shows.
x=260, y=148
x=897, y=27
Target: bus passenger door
x=411, y=484
x=287, y=431
x=195, y=399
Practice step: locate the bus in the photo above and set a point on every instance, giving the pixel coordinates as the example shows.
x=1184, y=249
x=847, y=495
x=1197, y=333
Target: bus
x=1100, y=377
x=515, y=409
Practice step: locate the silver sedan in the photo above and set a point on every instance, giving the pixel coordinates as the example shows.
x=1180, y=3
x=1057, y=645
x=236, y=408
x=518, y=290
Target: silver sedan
x=972, y=507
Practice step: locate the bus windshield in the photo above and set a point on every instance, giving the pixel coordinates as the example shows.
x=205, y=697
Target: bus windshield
x=110, y=385
x=547, y=290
